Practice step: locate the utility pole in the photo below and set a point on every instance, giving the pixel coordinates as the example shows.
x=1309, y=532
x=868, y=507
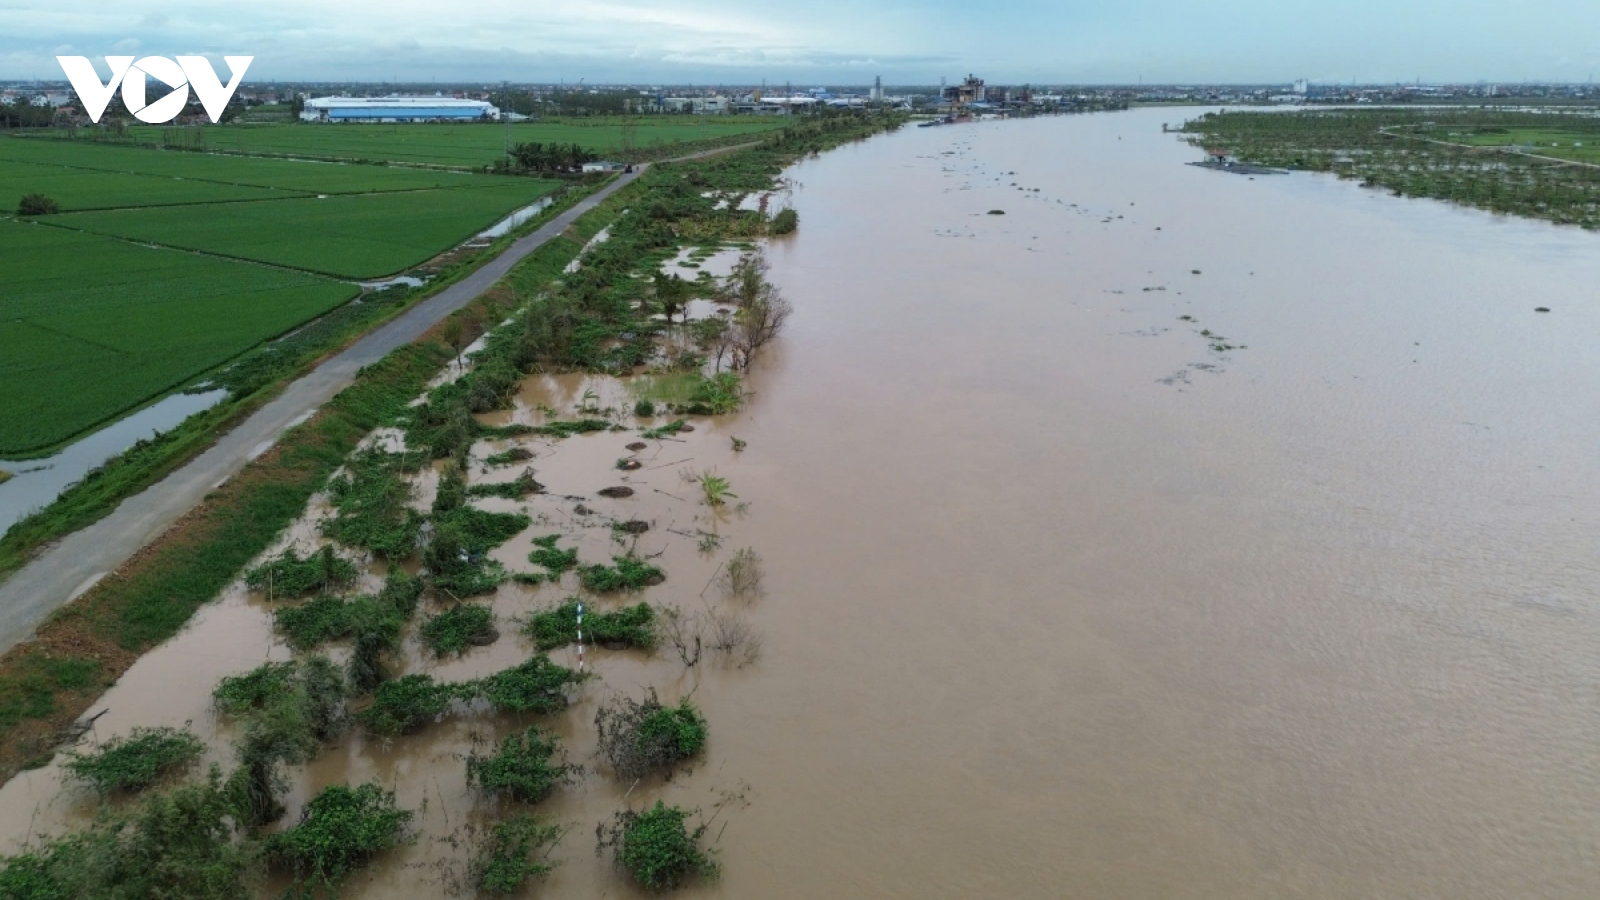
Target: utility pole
x=505, y=113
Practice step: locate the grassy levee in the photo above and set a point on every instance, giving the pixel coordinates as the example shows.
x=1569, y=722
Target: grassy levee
x=48, y=682
x=254, y=380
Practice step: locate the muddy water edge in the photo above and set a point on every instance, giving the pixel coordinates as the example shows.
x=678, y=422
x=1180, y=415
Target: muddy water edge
x=1168, y=534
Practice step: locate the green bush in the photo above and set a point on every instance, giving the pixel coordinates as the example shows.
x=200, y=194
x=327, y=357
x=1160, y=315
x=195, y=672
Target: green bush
x=638, y=738
x=667, y=430
x=405, y=704
x=283, y=728
x=632, y=626
x=176, y=844
x=556, y=561
x=786, y=221
x=321, y=620
x=628, y=574
x=339, y=832
x=371, y=503
x=657, y=848
x=504, y=862
x=401, y=592
x=536, y=686
x=515, y=489
x=37, y=205
x=644, y=408
x=456, y=558
x=239, y=694
x=287, y=575
x=520, y=768
x=714, y=395
x=457, y=628
x=137, y=761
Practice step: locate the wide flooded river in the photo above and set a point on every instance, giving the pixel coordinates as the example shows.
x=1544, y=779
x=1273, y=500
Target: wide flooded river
x=1172, y=535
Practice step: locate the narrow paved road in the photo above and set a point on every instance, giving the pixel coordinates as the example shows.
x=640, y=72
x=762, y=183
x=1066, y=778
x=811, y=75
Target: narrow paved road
x=82, y=558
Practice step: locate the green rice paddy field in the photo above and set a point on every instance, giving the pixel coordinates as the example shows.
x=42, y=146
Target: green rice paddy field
x=458, y=145
x=1562, y=143
x=91, y=326
x=347, y=236
x=107, y=307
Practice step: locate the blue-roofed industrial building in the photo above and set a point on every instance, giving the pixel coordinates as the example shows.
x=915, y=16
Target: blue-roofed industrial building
x=397, y=109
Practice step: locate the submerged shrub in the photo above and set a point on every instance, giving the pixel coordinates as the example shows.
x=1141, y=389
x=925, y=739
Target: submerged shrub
x=137, y=761
x=638, y=738
x=505, y=860
x=371, y=503
x=456, y=558
x=375, y=630
x=742, y=577
x=321, y=620
x=455, y=629
x=288, y=575
x=657, y=848
x=785, y=222
x=405, y=704
x=536, y=686
x=239, y=694
x=401, y=592
x=338, y=833
x=515, y=489
x=631, y=626
x=288, y=710
x=546, y=554
x=521, y=767
x=714, y=395
x=628, y=574
x=175, y=844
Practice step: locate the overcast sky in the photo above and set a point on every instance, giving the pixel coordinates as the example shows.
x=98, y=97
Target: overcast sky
x=827, y=41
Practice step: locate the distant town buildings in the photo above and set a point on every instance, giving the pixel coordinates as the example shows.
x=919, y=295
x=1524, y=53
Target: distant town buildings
x=397, y=109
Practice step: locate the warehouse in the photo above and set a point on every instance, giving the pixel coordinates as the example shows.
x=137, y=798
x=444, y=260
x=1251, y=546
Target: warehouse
x=396, y=109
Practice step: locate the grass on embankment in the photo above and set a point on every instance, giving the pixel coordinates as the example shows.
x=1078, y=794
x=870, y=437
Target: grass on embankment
x=46, y=683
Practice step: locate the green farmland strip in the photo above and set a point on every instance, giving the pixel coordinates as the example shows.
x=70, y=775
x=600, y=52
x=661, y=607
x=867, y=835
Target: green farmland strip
x=284, y=174
x=90, y=326
x=352, y=236
x=459, y=145
x=78, y=189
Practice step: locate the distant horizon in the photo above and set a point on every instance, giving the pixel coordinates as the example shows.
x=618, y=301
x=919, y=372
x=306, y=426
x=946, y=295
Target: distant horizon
x=906, y=42
x=799, y=85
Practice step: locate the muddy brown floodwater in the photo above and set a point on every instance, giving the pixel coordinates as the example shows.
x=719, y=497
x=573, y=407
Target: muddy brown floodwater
x=1070, y=595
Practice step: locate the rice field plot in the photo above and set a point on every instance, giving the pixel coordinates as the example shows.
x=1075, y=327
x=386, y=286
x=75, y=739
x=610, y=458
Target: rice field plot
x=194, y=169
x=1582, y=146
x=91, y=327
x=459, y=145
x=347, y=236
x=80, y=189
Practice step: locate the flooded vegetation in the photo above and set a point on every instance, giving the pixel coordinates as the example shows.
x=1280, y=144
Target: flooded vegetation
x=1167, y=536
x=1535, y=164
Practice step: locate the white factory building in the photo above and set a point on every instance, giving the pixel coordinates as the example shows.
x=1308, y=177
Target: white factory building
x=397, y=109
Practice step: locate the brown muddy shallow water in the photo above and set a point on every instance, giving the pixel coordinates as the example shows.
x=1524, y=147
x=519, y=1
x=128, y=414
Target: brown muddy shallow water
x=1064, y=602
